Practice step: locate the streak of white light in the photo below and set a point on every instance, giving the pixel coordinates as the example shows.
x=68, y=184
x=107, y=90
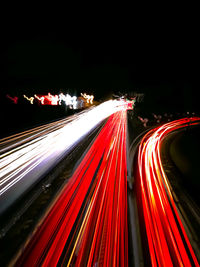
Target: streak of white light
x=49, y=147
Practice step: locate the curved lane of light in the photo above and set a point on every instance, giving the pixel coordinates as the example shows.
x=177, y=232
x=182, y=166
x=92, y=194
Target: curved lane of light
x=167, y=240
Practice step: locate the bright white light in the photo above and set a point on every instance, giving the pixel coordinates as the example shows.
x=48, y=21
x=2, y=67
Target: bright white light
x=70, y=101
x=53, y=99
x=32, y=159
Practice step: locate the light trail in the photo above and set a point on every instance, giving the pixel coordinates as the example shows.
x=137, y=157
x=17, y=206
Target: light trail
x=87, y=225
x=30, y=99
x=41, y=99
x=26, y=158
x=13, y=99
x=89, y=98
x=167, y=240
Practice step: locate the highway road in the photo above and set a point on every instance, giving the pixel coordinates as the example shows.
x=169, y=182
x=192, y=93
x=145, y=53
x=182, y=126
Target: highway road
x=163, y=226
x=88, y=223
x=26, y=157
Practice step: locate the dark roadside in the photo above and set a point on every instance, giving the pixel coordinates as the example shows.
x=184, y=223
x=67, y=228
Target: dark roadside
x=184, y=151
x=180, y=158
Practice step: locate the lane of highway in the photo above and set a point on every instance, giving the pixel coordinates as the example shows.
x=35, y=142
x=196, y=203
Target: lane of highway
x=168, y=243
x=26, y=157
x=88, y=223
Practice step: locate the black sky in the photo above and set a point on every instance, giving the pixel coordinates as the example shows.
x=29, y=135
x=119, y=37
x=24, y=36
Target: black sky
x=157, y=55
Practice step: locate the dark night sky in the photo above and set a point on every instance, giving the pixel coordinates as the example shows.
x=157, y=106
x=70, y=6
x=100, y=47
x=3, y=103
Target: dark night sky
x=158, y=56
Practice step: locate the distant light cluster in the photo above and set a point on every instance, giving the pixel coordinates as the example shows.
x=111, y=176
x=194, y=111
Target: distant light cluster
x=13, y=99
x=89, y=98
x=72, y=102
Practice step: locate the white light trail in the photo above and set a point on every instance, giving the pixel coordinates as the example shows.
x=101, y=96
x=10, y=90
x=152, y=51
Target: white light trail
x=29, y=161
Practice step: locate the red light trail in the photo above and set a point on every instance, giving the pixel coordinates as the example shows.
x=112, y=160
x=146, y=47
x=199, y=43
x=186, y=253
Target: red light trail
x=87, y=225
x=167, y=239
x=13, y=99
